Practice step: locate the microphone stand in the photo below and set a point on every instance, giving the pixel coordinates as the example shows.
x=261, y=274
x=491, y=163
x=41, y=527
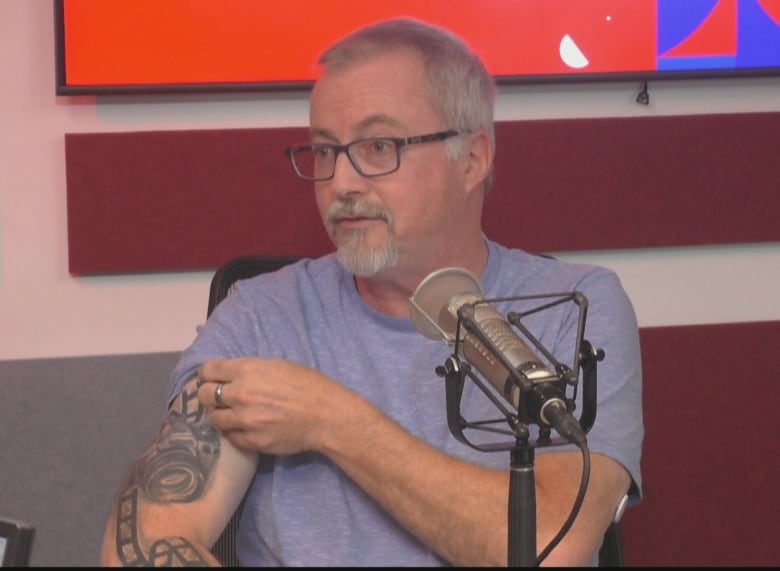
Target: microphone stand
x=522, y=506
x=521, y=536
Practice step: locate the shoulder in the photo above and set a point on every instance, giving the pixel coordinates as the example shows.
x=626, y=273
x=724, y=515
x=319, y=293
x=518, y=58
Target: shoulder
x=303, y=277
x=512, y=269
x=514, y=272
x=256, y=306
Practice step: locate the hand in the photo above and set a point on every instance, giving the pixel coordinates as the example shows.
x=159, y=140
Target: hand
x=269, y=405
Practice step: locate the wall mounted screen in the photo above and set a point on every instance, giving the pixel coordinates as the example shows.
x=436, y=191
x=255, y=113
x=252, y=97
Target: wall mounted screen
x=126, y=46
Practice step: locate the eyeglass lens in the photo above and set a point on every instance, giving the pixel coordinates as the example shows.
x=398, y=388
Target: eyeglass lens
x=369, y=157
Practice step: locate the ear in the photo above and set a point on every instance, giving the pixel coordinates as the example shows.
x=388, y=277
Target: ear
x=478, y=160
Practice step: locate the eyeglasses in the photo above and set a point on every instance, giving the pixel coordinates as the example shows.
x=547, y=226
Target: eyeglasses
x=374, y=156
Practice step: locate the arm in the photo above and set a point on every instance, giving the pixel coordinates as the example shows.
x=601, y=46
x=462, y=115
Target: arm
x=460, y=510
x=179, y=494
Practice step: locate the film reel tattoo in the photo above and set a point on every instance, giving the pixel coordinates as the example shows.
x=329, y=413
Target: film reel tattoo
x=176, y=467
x=167, y=552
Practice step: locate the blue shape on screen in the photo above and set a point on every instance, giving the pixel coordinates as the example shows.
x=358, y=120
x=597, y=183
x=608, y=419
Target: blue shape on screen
x=758, y=37
x=678, y=19
x=757, y=33
x=696, y=63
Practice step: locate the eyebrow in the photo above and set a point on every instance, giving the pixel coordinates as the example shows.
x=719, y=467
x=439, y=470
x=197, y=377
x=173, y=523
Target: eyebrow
x=366, y=123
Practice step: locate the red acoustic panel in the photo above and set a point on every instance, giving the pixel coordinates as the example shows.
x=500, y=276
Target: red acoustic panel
x=185, y=200
x=711, y=454
x=592, y=184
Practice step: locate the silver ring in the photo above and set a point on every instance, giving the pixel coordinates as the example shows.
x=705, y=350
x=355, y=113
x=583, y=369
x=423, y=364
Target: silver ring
x=218, y=395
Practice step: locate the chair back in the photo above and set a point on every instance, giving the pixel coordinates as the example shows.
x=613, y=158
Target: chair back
x=16, y=540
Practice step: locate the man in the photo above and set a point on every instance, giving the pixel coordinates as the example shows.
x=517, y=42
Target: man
x=310, y=390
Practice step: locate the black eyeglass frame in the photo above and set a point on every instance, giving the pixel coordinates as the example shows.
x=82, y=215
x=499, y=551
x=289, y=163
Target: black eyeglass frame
x=398, y=144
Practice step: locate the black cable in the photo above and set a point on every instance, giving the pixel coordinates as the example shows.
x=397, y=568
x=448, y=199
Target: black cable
x=575, y=508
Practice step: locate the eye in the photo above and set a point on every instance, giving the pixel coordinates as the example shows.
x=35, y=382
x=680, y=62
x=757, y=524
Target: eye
x=380, y=147
x=322, y=152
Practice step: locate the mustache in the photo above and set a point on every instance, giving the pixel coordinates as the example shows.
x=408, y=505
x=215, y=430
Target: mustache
x=351, y=208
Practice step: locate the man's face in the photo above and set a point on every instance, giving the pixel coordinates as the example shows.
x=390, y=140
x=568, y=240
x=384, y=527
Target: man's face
x=397, y=220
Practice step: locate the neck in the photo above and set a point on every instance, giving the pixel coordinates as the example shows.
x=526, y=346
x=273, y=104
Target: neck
x=389, y=292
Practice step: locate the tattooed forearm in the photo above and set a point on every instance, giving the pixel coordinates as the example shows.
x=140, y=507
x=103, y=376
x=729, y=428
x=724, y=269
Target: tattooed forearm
x=167, y=552
x=127, y=546
x=176, y=467
x=178, y=464
x=175, y=552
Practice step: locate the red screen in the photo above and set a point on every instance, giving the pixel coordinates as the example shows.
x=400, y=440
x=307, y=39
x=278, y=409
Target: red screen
x=275, y=43
x=200, y=41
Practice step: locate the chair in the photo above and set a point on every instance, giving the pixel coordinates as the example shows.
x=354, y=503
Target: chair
x=16, y=539
x=611, y=552
x=238, y=269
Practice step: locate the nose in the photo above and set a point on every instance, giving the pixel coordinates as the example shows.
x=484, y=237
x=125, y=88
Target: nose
x=346, y=179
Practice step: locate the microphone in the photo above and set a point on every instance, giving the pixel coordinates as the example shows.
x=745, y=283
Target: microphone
x=490, y=344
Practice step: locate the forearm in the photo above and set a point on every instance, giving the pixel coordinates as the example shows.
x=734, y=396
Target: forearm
x=459, y=510
x=130, y=541
x=177, y=496
x=158, y=517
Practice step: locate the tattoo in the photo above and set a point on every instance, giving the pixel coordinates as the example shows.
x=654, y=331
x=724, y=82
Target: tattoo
x=176, y=467
x=175, y=552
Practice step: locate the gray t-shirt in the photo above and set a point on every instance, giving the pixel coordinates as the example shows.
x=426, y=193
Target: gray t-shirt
x=302, y=510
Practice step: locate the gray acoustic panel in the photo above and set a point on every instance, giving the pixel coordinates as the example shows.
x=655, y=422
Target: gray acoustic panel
x=69, y=429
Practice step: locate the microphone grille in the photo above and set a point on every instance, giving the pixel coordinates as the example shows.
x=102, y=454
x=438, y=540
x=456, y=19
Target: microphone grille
x=433, y=295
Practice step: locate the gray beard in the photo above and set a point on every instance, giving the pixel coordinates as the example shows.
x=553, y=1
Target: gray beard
x=353, y=254
x=360, y=260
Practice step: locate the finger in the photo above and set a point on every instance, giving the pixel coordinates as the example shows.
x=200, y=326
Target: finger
x=219, y=395
x=203, y=389
x=211, y=394
x=225, y=421
x=213, y=370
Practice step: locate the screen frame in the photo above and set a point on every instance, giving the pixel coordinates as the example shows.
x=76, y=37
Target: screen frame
x=62, y=86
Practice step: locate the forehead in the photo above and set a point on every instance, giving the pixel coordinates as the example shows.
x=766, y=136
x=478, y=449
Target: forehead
x=390, y=87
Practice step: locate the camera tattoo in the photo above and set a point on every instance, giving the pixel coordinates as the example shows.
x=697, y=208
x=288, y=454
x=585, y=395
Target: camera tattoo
x=176, y=467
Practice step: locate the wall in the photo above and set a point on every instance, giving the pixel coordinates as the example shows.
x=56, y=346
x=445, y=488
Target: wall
x=47, y=315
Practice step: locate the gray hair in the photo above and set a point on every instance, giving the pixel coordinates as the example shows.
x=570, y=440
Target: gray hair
x=458, y=80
